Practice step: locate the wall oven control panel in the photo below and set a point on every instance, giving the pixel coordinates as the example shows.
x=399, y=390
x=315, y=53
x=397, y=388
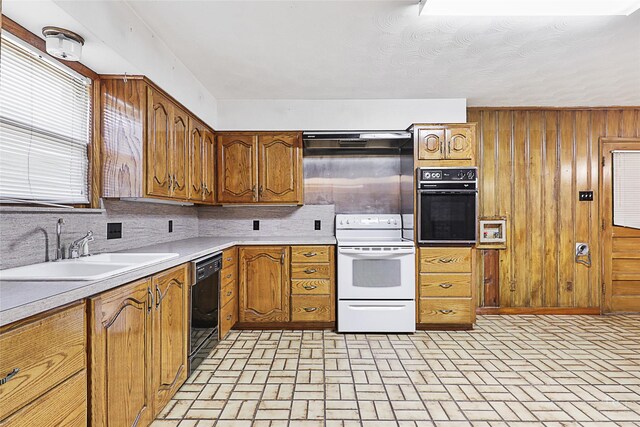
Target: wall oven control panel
x=447, y=174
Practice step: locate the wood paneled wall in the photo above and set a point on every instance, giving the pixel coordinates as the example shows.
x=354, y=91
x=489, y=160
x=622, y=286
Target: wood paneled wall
x=532, y=163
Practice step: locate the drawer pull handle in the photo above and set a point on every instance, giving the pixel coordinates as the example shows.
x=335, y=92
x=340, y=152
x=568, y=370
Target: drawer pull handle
x=310, y=309
x=446, y=285
x=446, y=260
x=446, y=311
x=310, y=270
x=229, y=293
x=229, y=276
x=309, y=287
x=10, y=375
x=310, y=254
x=229, y=259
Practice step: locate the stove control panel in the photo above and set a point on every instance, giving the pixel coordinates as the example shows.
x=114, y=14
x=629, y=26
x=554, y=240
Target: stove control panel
x=447, y=174
x=379, y=221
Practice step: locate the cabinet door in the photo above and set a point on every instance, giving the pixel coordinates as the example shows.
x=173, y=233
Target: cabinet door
x=158, y=163
x=264, y=284
x=280, y=168
x=431, y=144
x=237, y=168
x=460, y=143
x=209, y=167
x=196, y=161
x=179, y=153
x=120, y=339
x=170, y=332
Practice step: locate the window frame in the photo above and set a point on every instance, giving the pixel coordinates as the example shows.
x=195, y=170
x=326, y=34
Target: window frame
x=93, y=149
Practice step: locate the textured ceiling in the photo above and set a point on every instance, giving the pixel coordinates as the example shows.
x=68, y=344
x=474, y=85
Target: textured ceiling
x=383, y=49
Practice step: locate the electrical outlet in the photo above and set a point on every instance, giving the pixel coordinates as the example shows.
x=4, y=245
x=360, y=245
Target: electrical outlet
x=114, y=230
x=317, y=224
x=170, y=226
x=256, y=224
x=585, y=196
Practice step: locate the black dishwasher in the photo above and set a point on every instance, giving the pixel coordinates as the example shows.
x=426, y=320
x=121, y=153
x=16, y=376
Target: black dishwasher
x=204, y=308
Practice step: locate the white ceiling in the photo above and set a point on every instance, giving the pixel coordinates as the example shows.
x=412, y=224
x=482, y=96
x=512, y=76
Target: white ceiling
x=383, y=49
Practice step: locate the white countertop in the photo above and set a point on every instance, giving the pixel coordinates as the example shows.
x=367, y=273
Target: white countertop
x=22, y=299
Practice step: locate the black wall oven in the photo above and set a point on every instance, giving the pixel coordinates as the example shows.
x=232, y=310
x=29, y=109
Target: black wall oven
x=447, y=205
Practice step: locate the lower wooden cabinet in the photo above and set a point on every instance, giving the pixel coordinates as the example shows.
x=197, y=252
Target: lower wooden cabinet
x=264, y=284
x=446, y=291
x=170, y=332
x=138, y=337
x=43, y=364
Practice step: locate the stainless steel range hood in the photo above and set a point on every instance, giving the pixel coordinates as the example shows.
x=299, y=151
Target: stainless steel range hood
x=324, y=143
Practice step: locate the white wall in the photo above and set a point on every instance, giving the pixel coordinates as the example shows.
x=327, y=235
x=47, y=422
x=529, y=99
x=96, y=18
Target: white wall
x=355, y=114
x=118, y=41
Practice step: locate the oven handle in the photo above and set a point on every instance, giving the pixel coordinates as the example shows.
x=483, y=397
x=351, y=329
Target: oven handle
x=377, y=254
x=448, y=191
x=378, y=307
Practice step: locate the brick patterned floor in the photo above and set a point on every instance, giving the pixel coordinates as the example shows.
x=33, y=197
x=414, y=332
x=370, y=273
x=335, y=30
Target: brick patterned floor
x=509, y=371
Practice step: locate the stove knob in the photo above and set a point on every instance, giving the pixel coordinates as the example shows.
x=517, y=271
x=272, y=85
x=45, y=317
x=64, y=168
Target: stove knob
x=460, y=174
x=470, y=175
x=347, y=221
x=388, y=221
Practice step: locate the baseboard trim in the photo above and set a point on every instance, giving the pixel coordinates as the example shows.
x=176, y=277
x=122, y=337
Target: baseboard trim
x=539, y=310
x=287, y=326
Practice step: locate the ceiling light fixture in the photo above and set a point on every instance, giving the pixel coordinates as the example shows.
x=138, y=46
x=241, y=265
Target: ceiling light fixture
x=528, y=7
x=63, y=44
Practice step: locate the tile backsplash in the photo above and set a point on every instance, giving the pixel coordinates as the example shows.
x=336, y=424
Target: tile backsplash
x=29, y=236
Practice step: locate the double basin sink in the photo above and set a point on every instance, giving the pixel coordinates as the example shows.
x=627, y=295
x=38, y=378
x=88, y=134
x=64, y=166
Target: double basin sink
x=95, y=267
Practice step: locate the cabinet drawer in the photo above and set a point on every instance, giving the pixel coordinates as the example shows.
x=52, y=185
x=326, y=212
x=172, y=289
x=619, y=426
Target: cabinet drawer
x=445, y=285
x=446, y=310
x=311, y=287
x=310, y=253
x=315, y=308
x=310, y=271
x=229, y=274
x=45, y=351
x=445, y=260
x=230, y=257
x=227, y=293
x=228, y=317
x=65, y=405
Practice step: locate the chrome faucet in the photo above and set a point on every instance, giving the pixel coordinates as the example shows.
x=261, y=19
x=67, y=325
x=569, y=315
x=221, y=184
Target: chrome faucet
x=59, y=251
x=81, y=246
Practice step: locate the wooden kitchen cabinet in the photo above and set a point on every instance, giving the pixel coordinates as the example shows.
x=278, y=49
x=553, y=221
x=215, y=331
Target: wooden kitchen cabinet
x=138, y=335
x=445, y=145
x=237, y=168
x=152, y=147
x=43, y=363
x=120, y=331
x=264, y=286
x=263, y=167
x=170, y=330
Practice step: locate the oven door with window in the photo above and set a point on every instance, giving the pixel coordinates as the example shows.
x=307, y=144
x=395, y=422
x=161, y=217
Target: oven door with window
x=376, y=273
x=447, y=217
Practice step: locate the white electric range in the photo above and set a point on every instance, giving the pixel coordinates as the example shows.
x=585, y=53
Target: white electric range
x=376, y=275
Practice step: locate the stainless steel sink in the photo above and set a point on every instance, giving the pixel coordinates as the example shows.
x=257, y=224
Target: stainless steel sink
x=90, y=268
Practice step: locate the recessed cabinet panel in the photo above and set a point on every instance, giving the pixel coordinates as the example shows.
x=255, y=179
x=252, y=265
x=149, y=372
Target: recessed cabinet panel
x=279, y=157
x=460, y=143
x=209, y=168
x=159, y=179
x=431, y=144
x=237, y=178
x=179, y=153
x=196, y=155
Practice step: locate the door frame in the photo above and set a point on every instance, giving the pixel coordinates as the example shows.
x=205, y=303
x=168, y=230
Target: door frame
x=607, y=146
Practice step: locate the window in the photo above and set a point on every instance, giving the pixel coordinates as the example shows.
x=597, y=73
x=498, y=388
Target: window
x=45, y=111
x=626, y=194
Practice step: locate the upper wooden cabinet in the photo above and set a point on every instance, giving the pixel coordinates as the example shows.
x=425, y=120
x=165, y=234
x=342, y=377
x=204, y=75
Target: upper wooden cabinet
x=152, y=146
x=264, y=284
x=455, y=144
x=237, y=168
x=263, y=167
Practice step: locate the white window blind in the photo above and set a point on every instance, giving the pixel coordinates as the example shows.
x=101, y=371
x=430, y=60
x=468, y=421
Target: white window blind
x=626, y=191
x=45, y=113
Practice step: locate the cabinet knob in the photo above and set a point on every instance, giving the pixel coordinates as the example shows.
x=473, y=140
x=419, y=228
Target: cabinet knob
x=10, y=375
x=310, y=309
x=229, y=259
x=446, y=285
x=445, y=311
x=229, y=293
x=229, y=276
x=310, y=270
x=228, y=317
